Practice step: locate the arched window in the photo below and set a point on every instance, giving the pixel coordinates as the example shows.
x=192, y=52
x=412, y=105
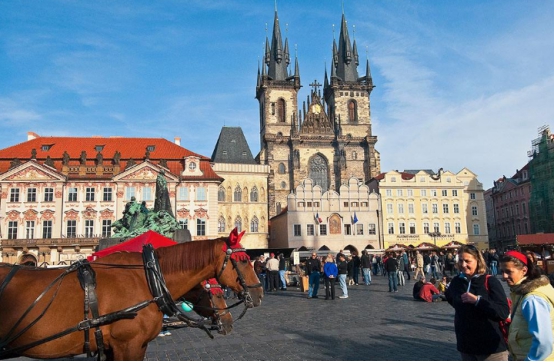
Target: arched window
x=278, y=207
x=238, y=194
x=221, y=225
x=352, y=111
x=281, y=169
x=238, y=224
x=319, y=171
x=281, y=110
x=221, y=194
x=354, y=155
x=254, y=225
x=283, y=185
x=254, y=194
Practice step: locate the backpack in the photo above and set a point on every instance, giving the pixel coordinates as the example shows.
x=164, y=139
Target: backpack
x=504, y=325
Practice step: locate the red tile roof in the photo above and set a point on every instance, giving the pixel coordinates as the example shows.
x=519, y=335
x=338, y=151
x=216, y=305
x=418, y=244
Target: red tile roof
x=130, y=148
x=535, y=239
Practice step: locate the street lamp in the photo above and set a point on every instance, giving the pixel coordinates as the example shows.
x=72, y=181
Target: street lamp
x=434, y=235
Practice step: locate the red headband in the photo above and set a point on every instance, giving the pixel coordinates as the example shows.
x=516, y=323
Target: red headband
x=517, y=255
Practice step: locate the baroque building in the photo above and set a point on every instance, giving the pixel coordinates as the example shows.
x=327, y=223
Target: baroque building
x=327, y=139
x=541, y=172
x=60, y=195
x=421, y=206
x=242, y=196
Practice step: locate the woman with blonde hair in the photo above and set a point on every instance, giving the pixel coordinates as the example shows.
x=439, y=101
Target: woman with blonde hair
x=531, y=336
x=330, y=272
x=479, y=303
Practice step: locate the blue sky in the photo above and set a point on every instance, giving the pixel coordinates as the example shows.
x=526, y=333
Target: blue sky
x=458, y=83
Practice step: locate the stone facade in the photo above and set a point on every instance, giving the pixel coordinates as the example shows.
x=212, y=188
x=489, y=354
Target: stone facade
x=328, y=220
x=417, y=203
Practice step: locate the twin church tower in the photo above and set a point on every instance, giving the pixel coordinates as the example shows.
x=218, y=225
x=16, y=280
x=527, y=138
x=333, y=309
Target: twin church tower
x=328, y=138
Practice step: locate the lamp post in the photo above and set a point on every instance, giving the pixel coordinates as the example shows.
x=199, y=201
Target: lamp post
x=434, y=235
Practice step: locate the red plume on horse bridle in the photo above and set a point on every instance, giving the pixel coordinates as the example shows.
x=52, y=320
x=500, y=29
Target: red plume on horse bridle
x=215, y=287
x=233, y=243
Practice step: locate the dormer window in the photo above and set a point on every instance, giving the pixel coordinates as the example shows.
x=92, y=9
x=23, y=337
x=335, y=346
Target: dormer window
x=192, y=166
x=99, y=148
x=46, y=147
x=150, y=148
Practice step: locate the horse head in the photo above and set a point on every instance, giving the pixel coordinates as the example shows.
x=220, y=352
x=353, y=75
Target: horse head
x=221, y=316
x=238, y=273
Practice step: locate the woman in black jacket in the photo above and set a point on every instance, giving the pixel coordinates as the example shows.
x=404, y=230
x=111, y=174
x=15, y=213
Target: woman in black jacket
x=479, y=303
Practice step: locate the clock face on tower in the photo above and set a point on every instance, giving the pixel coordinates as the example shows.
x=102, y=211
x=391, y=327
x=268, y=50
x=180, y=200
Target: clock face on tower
x=316, y=108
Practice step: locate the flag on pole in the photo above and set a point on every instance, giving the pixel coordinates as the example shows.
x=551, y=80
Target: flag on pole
x=355, y=218
x=319, y=220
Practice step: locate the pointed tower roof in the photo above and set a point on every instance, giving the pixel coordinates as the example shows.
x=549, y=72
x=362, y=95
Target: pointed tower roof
x=279, y=57
x=347, y=55
x=231, y=147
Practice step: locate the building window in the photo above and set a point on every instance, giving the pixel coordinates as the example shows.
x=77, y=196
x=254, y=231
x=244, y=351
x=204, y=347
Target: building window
x=283, y=184
x=388, y=192
x=474, y=210
x=424, y=208
x=192, y=166
x=411, y=208
x=30, y=230
x=412, y=228
x=281, y=110
x=107, y=195
x=254, y=225
x=359, y=229
x=389, y=209
x=278, y=207
x=297, y=230
x=47, y=229
x=201, y=194
x=447, y=227
x=472, y=195
x=281, y=168
x=221, y=225
x=238, y=194
x=12, y=230
x=457, y=228
x=445, y=193
x=89, y=194
x=410, y=192
x=436, y=227
x=426, y=228
x=402, y=228
x=319, y=172
x=456, y=208
x=391, y=228
x=322, y=229
x=435, y=208
x=129, y=192
x=354, y=155
x=89, y=228
x=200, y=227
x=106, y=228
x=72, y=194
x=476, y=230
x=399, y=192
x=454, y=192
x=434, y=193
x=400, y=208
x=221, y=194
x=371, y=230
x=184, y=224
x=445, y=208
x=523, y=209
x=347, y=229
x=352, y=111
x=48, y=194
x=310, y=230
x=71, y=230
x=254, y=194
x=423, y=193
x=32, y=194
x=183, y=193
x=147, y=193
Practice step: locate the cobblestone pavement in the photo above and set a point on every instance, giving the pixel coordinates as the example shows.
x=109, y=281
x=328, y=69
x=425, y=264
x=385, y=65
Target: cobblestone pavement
x=372, y=324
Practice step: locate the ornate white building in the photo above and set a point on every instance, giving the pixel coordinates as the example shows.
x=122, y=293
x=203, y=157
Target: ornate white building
x=60, y=195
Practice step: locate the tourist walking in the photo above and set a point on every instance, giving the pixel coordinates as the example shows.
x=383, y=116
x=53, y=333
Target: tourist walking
x=365, y=263
x=342, y=267
x=330, y=273
x=272, y=266
x=434, y=265
x=478, y=309
x=313, y=270
x=419, y=264
x=407, y=263
x=391, y=266
x=282, y=271
x=531, y=334
x=355, y=267
x=400, y=271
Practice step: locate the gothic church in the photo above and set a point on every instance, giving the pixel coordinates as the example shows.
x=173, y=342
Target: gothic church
x=328, y=138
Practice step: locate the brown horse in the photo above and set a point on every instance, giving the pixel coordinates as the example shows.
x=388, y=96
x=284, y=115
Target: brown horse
x=208, y=301
x=121, y=283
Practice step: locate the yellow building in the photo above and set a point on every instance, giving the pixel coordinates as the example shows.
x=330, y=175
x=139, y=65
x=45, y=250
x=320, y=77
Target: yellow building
x=242, y=196
x=421, y=206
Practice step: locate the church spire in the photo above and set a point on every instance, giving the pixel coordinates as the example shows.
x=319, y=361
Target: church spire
x=347, y=55
x=279, y=57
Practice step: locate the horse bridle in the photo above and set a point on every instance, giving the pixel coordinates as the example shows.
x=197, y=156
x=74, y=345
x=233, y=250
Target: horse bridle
x=244, y=295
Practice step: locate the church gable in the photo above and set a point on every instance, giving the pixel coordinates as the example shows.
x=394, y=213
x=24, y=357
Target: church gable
x=32, y=171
